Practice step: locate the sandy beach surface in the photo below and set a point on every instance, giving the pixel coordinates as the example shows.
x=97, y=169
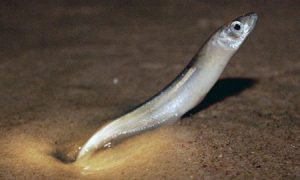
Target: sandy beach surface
x=68, y=67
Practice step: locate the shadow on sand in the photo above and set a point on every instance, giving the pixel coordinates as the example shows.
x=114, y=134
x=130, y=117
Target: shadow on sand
x=222, y=89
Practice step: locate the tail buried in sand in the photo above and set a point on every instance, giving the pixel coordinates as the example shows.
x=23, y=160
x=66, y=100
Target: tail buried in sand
x=183, y=93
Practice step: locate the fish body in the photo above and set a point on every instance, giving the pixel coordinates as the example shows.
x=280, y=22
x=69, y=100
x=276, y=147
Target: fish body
x=184, y=92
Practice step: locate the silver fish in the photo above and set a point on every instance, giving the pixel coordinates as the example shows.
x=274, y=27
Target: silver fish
x=184, y=92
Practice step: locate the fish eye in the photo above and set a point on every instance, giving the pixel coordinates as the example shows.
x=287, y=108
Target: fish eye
x=236, y=28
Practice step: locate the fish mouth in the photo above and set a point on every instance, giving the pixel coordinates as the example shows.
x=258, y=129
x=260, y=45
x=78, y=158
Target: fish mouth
x=249, y=20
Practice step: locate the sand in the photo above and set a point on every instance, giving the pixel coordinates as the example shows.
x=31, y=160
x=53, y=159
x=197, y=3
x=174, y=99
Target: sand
x=68, y=67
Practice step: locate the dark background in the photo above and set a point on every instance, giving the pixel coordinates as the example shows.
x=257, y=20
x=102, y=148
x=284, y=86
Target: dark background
x=66, y=67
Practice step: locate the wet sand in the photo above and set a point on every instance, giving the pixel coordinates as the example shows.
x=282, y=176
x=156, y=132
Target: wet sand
x=66, y=68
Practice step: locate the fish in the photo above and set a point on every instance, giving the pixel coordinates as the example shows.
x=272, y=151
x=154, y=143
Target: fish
x=181, y=95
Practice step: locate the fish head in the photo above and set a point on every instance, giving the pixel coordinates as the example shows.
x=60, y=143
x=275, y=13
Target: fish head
x=233, y=34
